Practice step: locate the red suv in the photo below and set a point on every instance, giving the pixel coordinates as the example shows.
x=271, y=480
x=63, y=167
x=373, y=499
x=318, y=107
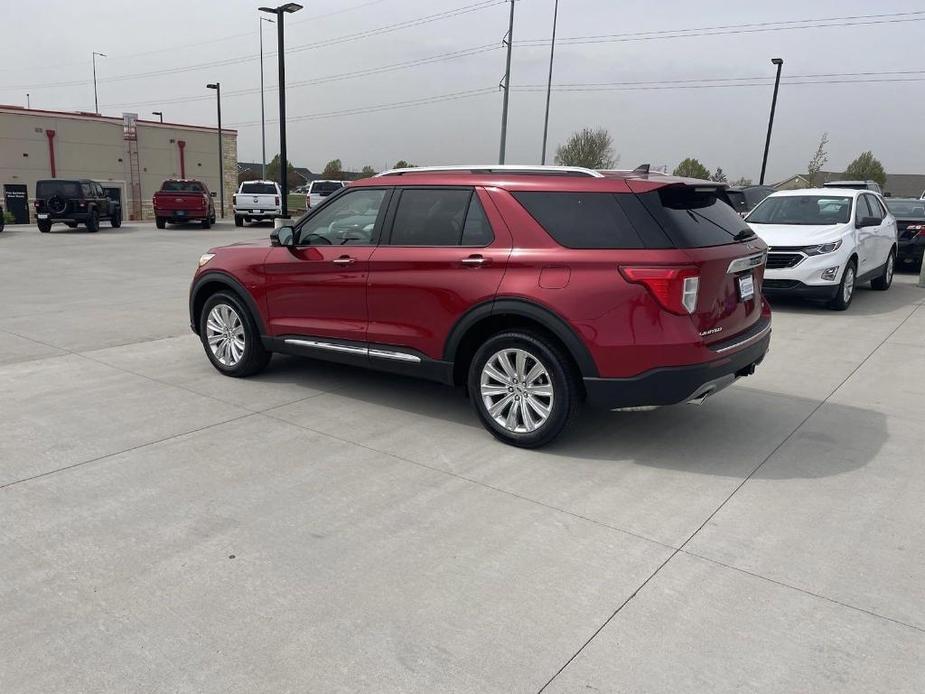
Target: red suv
x=536, y=287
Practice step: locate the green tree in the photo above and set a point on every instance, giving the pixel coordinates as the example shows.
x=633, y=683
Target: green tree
x=402, y=164
x=818, y=161
x=592, y=149
x=866, y=168
x=692, y=168
x=719, y=175
x=367, y=172
x=293, y=179
x=333, y=170
x=742, y=182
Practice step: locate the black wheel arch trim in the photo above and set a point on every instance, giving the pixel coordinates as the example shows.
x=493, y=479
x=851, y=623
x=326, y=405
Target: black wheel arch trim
x=526, y=309
x=230, y=282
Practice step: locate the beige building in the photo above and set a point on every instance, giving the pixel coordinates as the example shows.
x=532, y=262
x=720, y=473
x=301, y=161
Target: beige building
x=37, y=144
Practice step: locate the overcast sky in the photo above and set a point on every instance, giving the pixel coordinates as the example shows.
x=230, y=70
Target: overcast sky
x=46, y=51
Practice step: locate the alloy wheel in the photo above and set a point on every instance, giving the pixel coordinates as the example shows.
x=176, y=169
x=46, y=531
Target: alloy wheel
x=848, y=288
x=225, y=335
x=516, y=390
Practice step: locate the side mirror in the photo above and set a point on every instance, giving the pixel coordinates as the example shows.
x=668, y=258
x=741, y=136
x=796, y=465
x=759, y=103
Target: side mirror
x=284, y=236
x=213, y=193
x=865, y=222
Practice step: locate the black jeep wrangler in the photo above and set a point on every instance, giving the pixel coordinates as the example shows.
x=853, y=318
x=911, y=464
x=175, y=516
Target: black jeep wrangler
x=74, y=202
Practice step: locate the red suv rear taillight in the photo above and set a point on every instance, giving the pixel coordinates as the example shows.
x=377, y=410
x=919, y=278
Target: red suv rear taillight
x=675, y=288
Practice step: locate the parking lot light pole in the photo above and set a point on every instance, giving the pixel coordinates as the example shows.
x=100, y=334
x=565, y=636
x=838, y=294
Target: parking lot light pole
x=96, y=98
x=280, y=13
x=767, y=145
x=159, y=114
x=263, y=117
x=217, y=86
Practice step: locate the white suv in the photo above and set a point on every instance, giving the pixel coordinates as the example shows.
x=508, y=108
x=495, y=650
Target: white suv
x=824, y=241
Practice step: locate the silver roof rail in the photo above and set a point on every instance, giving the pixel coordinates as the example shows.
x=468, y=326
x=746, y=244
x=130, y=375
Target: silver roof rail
x=499, y=168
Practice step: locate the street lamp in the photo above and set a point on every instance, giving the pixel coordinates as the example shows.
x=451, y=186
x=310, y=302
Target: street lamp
x=767, y=145
x=263, y=118
x=96, y=100
x=159, y=114
x=280, y=13
x=217, y=86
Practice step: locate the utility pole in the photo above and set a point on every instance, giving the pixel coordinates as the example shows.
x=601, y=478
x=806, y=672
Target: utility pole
x=263, y=117
x=28, y=100
x=767, y=145
x=217, y=86
x=552, y=53
x=507, y=87
x=96, y=100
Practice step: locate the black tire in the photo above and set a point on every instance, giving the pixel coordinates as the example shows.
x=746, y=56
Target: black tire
x=885, y=281
x=160, y=222
x=561, y=379
x=206, y=223
x=840, y=302
x=44, y=226
x=93, y=222
x=115, y=219
x=255, y=358
x=2, y=221
x=238, y=220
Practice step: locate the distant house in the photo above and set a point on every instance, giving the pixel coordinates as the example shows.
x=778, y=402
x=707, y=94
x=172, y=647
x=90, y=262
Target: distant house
x=897, y=185
x=255, y=169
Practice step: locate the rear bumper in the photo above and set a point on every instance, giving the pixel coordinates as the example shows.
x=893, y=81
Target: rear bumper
x=182, y=215
x=676, y=384
x=259, y=214
x=79, y=217
x=797, y=289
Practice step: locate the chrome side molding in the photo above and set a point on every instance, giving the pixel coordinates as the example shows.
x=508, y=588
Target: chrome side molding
x=397, y=356
x=359, y=351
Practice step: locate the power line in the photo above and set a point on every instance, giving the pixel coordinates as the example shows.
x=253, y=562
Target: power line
x=462, y=53
x=731, y=85
x=762, y=78
x=220, y=39
x=378, y=31
x=453, y=96
x=733, y=29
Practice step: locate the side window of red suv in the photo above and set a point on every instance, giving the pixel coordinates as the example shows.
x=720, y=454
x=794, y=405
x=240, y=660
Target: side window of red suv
x=350, y=220
x=440, y=217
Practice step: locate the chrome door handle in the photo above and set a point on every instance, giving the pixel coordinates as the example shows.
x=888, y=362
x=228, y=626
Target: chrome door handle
x=344, y=260
x=474, y=260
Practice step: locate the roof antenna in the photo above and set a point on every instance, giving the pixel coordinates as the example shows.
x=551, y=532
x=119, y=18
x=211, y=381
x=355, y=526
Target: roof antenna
x=642, y=169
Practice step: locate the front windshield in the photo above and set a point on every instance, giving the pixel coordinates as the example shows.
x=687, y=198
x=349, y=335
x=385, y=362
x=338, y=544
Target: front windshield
x=802, y=209
x=914, y=209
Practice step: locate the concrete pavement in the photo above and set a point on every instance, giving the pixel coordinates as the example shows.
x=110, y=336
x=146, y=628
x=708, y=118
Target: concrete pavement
x=321, y=528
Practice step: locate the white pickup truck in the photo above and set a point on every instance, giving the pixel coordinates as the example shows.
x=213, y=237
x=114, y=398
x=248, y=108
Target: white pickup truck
x=256, y=201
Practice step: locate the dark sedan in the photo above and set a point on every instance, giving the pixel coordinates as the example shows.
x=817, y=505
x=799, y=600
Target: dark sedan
x=910, y=223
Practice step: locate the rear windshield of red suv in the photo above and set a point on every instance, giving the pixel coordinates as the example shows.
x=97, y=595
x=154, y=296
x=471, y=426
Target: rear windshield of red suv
x=695, y=217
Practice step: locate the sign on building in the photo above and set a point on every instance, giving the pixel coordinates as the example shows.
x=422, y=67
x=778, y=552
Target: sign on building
x=129, y=129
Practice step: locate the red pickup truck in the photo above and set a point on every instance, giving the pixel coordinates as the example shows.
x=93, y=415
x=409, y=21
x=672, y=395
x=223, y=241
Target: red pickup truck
x=183, y=200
